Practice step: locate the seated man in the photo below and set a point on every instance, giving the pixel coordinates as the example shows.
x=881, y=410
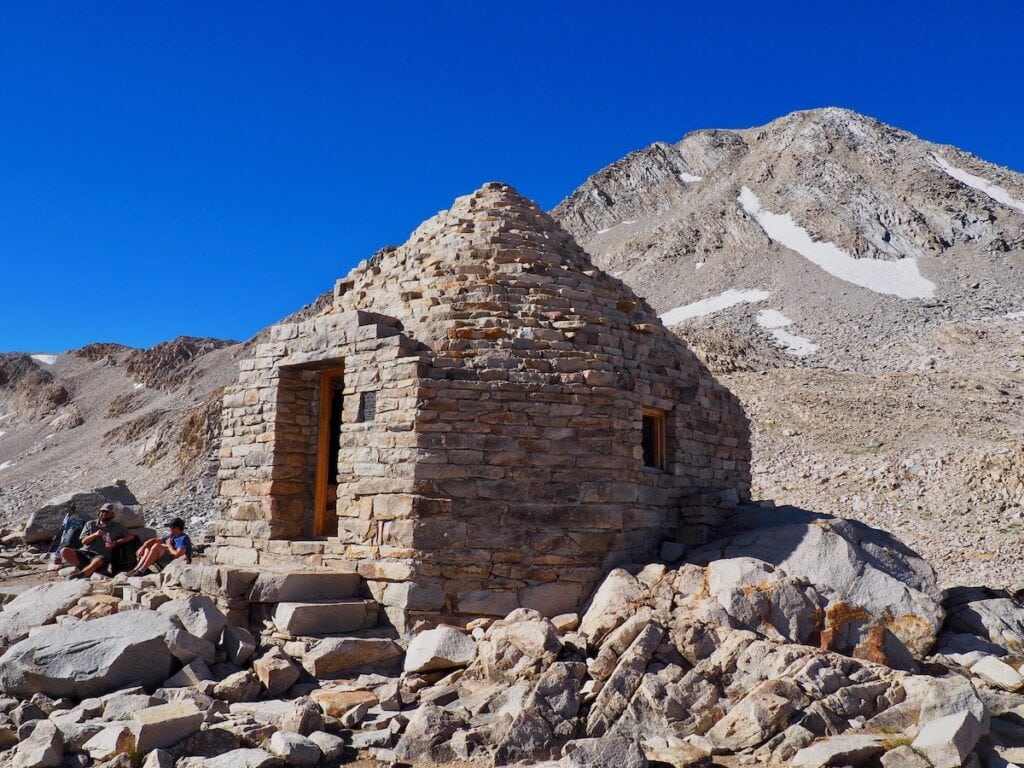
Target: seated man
x=99, y=537
x=175, y=543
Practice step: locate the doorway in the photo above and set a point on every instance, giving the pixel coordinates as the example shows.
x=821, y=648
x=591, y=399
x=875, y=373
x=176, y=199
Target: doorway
x=325, y=497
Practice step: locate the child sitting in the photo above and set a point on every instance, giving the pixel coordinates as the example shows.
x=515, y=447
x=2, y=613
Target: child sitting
x=175, y=542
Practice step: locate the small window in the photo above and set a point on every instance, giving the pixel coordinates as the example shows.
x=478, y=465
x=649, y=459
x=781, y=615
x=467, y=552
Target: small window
x=367, y=406
x=653, y=438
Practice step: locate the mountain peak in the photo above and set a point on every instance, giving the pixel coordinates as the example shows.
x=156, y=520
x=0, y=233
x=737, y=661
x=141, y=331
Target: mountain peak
x=860, y=231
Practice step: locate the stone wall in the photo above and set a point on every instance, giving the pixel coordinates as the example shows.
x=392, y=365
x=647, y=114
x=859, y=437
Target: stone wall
x=503, y=466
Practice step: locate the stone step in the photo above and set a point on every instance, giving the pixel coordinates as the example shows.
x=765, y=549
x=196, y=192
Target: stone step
x=304, y=586
x=325, y=617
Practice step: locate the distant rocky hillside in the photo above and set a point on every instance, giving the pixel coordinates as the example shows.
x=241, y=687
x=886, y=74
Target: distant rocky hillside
x=84, y=418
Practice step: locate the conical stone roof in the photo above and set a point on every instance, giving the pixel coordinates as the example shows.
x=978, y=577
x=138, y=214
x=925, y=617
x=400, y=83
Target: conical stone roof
x=497, y=283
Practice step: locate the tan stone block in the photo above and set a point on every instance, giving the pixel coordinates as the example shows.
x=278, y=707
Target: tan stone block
x=386, y=571
x=336, y=701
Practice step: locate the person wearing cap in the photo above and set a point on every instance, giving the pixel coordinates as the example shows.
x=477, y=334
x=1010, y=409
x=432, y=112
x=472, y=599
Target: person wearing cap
x=99, y=537
x=175, y=542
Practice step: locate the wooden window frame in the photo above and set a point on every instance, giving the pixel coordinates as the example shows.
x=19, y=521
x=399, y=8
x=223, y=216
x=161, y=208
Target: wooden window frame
x=658, y=416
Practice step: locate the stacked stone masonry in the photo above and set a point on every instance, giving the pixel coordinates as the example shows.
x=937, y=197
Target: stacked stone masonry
x=493, y=384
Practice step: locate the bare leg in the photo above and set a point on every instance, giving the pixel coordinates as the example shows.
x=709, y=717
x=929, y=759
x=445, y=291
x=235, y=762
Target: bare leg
x=67, y=554
x=94, y=565
x=151, y=556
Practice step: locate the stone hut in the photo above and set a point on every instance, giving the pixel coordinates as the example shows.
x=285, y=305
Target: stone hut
x=481, y=420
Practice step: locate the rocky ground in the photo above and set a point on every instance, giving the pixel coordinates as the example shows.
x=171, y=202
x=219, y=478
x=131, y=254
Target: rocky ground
x=816, y=642
x=932, y=455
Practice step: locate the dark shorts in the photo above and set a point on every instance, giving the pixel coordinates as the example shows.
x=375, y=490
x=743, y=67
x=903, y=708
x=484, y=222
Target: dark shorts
x=86, y=556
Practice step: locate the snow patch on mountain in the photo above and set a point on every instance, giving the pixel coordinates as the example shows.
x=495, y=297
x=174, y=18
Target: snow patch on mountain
x=774, y=321
x=45, y=359
x=900, y=278
x=6, y=464
x=689, y=178
x=983, y=185
x=704, y=307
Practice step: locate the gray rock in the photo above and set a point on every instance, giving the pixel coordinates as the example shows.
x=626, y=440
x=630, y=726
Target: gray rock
x=947, y=741
x=608, y=752
x=198, y=614
x=158, y=758
x=193, y=673
x=855, y=750
x=613, y=602
x=903, y=757
x=859, y=568
x=110, y=742
x=618, y=690
x=324, y=618
x=238, y=687
x=518, y=647
x=75, y=735
x=296, y=586
x=45, y=522
x=998, y=673
x=239, y=644
x=752, y=594
x=303, y=716
x=99, y=656
x=950, y=695
x=525, y=738
x=121, y=707
x=381, y=738
x=44, y=748
x=206, y=743
x=330, y=745
x=244, y=758
x=441, y=648
x=989, y=615
x=354, y=716
x=339, y=655
x=295, y=749
x=38, y=606
x=276, y=671
x=272, y=712
x=427, y=734
x=759, y=715
x=164, y=725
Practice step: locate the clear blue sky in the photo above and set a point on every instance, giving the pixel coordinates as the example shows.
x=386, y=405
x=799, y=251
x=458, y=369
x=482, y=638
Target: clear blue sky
x=172, y=168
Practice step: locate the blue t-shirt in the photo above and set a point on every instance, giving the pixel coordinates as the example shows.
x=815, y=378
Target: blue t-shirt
x=179, y=542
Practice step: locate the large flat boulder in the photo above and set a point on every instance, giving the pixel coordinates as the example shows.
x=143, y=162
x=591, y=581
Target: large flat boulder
x=198, y=614
x=304, y=586
x=94, y=658
x=881, y=594
x=39, y=606
x=45, y=522
x=988, y=614
x=339, y=655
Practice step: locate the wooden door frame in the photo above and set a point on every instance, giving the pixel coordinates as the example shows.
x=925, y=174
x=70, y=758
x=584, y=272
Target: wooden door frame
x=323, y=450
